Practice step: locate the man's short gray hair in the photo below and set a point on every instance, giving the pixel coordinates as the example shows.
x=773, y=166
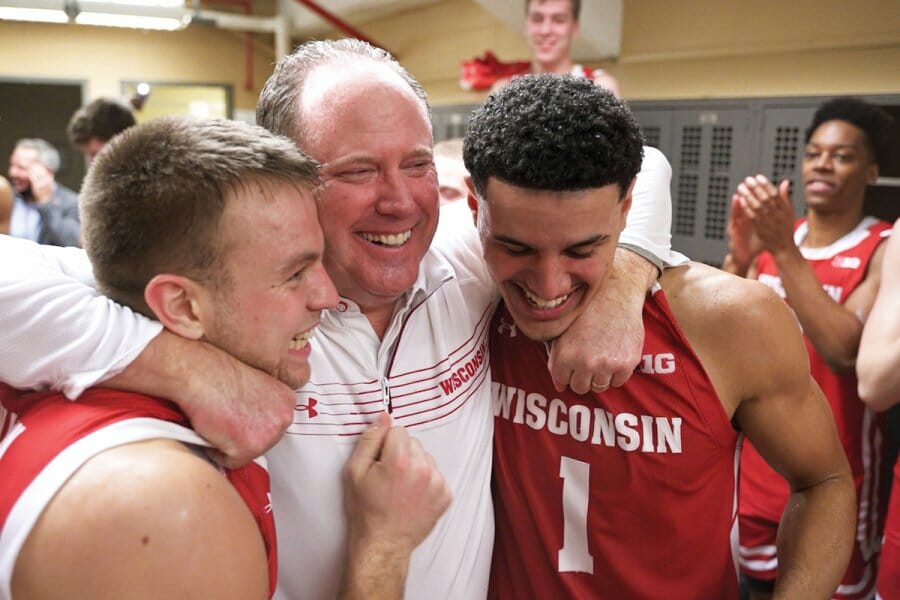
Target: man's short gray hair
x=47, y=155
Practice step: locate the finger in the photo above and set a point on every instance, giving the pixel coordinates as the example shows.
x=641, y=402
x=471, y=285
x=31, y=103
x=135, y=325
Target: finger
x=747, y=190
x=763, y=181
x=738, y=214
x=737, y=205
x=766, y=187
x=399, y=448
x=598, y=387
x=559, y=373
x=370, y=446
x=430, y=459
x=581, y=383
x=759, y=188
x=443, y=495
x=620, y=378
x=784, y=190
x=436, y=480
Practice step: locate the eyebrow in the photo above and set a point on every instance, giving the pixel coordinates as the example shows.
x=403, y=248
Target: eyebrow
x=302, y=258
x=366, y=157
x=839, y=146
x=594, y=239
x=346, y=160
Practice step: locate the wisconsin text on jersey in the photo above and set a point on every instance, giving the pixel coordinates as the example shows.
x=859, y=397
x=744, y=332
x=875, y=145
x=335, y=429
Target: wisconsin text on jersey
x=628, y=431
x=468, y=370
x=420, y=389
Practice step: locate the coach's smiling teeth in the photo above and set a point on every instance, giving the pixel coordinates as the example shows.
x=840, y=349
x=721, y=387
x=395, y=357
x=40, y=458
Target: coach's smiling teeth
x=387, y=239
x=541, y=303
x=299, y=341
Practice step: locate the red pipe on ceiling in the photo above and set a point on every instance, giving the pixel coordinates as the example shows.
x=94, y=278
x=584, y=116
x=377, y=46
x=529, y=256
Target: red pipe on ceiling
x=324, y=14
x=338, y=22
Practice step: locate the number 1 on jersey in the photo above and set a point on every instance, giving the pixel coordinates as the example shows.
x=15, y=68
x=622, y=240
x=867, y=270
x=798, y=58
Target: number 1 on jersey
x=574, y=555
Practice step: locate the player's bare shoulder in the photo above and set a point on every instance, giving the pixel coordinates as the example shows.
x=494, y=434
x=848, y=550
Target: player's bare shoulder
x=744, y=334
x=154, y=514
x=710, y=296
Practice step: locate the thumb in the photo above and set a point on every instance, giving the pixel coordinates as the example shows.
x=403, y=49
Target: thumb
x=784, y=190
x=369, y=447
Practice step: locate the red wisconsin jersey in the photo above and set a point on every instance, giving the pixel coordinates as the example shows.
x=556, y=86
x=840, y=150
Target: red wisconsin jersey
x=840, y=268
x=53, y=437
x=889, y=565
x=629, y=493
x=7, y=419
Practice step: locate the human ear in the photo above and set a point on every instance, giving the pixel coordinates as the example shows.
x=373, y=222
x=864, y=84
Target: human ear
x=472, y=199
x=626, y=199
x=177, y=303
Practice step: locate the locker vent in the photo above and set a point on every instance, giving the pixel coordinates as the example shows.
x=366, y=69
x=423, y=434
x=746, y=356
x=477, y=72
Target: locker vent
x=719, y=192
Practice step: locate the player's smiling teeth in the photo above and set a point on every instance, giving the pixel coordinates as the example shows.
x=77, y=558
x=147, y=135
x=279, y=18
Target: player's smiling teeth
x=301, y=339
x=389, y=239
x=540, y=302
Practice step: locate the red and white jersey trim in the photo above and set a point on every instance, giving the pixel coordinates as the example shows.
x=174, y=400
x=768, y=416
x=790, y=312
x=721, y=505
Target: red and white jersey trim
x=25, y=511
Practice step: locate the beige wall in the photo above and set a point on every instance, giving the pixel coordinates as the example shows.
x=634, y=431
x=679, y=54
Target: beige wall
x=106, y=56
x=670, y=49
x=682, y=48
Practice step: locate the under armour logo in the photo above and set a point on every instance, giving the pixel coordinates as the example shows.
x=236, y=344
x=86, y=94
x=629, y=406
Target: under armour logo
x=309, y=407
x=507, y=327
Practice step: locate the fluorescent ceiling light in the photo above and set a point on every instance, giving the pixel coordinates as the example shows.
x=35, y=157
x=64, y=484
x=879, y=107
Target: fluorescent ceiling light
x=168, y=3
x=40, y=15
x=142, y=14
x=135, y=21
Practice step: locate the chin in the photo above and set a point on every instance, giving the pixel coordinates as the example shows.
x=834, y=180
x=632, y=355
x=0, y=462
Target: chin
x=296, y=380
x=394, y=283
x=540, y=331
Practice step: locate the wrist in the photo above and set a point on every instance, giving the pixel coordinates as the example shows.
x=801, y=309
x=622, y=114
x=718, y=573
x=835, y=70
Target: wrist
x=374, y=568
x=732, y=265
x=368, y=541
x=164, y=368
x=787, y=256
x=634, y=271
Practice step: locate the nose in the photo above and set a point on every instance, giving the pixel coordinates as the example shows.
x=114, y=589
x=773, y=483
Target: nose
x=324, y=294
x=394, y=195
x=549, y=278
x=823, y=161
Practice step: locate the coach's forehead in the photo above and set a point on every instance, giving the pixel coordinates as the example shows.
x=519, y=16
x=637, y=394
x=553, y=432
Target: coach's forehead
x=348, y=80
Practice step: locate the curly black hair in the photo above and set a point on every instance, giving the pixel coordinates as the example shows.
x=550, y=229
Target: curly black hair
x=553, y=132
x=875, y=123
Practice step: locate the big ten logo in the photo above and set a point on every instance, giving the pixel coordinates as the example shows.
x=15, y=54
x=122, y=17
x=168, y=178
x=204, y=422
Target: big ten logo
x=654, y=364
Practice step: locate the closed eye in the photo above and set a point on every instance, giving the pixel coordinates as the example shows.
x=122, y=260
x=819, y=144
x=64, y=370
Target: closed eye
x=515, y=249
x=297, y=275
x=580, y=253
x=357, y=175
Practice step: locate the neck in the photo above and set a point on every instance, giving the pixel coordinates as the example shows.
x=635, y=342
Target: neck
x=827, y=228
x=561, y=66
x=379, y=316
